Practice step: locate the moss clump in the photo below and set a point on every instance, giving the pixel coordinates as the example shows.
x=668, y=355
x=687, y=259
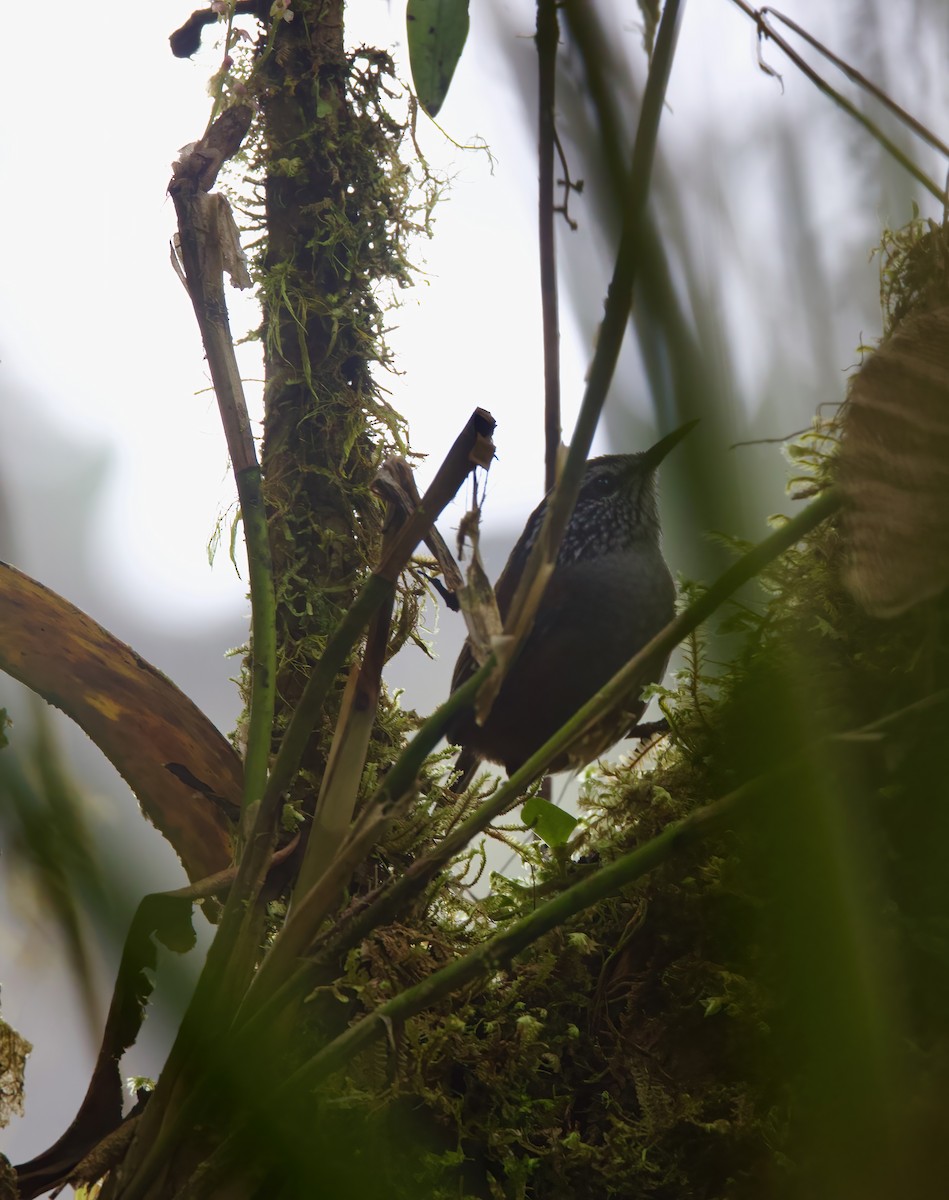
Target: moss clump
x=914, y=270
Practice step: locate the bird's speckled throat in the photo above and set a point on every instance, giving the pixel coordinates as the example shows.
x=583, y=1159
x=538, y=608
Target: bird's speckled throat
x=615, y=510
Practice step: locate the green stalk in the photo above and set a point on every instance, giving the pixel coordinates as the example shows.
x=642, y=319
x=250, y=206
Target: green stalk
x=263, y=645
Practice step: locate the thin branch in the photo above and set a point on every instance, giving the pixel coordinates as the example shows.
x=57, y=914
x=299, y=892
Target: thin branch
x=767, y=31
x=547, y=38
x=567, y=183
x=675, y=368
x=868, y=85
x=209, y=244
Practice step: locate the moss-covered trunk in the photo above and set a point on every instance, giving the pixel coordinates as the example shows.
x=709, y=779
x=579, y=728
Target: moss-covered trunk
x=334, y=222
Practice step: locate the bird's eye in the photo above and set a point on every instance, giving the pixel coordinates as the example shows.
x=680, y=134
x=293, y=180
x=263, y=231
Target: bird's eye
x=601, y=485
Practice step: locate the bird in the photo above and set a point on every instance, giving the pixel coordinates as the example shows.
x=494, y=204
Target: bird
x=610, y=592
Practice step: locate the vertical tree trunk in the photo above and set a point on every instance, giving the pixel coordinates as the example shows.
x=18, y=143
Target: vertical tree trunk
x=331, y=227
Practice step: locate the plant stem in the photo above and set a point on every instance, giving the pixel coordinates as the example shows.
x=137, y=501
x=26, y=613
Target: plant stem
x=202, y=221
x=546, y=38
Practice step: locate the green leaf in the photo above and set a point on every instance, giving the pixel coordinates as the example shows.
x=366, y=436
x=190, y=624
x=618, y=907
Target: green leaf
x=550, y=823
x=437, y=31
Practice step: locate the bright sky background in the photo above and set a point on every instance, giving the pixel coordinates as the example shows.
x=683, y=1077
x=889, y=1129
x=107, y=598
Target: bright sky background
x=113, y=466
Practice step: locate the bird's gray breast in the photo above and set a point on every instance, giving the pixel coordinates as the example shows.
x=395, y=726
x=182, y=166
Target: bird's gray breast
x=603, y=610
x=593, y=617
x=595, y=614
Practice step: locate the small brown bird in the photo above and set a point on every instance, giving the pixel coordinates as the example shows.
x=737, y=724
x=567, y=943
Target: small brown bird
x=609, y=594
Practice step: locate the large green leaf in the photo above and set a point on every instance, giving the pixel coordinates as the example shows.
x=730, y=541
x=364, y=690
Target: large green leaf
x=437, y=31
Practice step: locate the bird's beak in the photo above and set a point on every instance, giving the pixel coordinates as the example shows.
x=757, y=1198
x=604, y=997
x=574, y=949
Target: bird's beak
x=655, y=454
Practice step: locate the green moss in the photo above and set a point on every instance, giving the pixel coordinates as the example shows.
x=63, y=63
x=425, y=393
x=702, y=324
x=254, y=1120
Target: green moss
x=914, y=269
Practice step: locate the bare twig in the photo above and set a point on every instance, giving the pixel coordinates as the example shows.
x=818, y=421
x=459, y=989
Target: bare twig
x=546, y=38
x=861, y=80
x=765, y=30
x=209, y=245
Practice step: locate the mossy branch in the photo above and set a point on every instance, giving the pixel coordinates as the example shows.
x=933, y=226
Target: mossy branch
x=471, y=448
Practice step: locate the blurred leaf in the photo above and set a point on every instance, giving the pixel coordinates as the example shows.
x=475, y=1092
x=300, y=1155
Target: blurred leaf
x=183, y=771
x=162, y=915
x=46, y=832
x=437, y=31
x=550, y=823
